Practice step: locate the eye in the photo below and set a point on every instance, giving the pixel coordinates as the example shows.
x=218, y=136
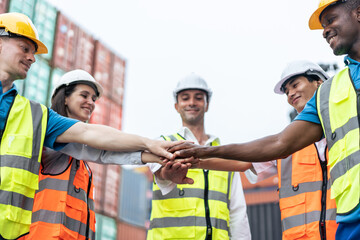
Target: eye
x=94, y=98
x=83, y=95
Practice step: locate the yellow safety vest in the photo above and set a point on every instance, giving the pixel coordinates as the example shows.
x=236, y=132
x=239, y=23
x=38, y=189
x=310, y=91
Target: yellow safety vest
x=338, y=109
x=20, y=156
x=193, y=211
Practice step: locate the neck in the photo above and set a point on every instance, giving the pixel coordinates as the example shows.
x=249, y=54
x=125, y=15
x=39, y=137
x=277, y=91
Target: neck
x=6, y=81
x=199, y=132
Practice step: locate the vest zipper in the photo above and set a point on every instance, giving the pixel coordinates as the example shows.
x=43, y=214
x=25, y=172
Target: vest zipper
x=322, y=221
x=207, y=209
x=87, y=201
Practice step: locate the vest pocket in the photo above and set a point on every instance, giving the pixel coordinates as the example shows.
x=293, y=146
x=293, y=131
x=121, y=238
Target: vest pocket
x=19, y=145
x=293, y=216
x=304, y=168
x=182, y=223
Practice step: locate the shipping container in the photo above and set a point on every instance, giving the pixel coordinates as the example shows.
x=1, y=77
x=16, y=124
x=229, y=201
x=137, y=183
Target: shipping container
x=20, y=85
x=37, y=81
x=65, y=43
x=134, y=205
x=269, y=182
x=126, y=232
x=101, y=114
x=55, y=76
x=4, y=4
x=45, y=23
x=98, y=173
x=111, y=196
x=265, y=221
x=118, y=76
x=26, y=7
x=105, y=228
x=115, y=115
x=85, y=51
x=103, y=67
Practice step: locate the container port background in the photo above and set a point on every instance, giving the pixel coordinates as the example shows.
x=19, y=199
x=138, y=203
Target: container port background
x=122, y=195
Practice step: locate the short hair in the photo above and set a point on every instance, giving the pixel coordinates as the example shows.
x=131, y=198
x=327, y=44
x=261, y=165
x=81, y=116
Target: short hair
x=351, y=4
x=310, y=78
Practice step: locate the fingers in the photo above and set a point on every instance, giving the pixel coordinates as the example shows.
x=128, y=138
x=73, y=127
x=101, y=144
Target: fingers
x=181, y=146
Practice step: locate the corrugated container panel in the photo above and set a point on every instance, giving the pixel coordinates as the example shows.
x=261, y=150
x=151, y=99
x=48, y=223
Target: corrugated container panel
x=134, y=207
x=45, y=22
x=126, y=231
x=37, y=81
x=98, y=172
x=258, y=197
x=265, y=221
x=103, y=67
x=269, y=182
x=85, y=51
x=65, y=43
x=26, y=7
x=4, y=6
x=112, y=183
x=101, y=114
x=55, y=76
x=105, y=228
x=116, y=115
x=118, y=76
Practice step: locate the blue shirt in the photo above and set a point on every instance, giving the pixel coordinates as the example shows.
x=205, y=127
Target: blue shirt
x=310, y=114
x=56, y=125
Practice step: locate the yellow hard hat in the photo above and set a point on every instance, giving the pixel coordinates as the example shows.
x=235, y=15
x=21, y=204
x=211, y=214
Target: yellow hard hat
x=314, y=21
x=20, y=24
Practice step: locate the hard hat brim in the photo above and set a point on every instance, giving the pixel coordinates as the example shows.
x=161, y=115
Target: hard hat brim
x=314, y=21
x=42, y=49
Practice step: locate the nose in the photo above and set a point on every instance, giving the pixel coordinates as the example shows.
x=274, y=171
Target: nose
x=291, y=93
x=326, y=32
x=31, y=58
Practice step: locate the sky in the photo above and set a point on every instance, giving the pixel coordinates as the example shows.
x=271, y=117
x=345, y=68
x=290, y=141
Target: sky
x=239, y=47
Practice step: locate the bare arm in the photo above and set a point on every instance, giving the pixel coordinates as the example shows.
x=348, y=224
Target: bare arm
x=107, y=138
x=294, y=137
x=223, y=165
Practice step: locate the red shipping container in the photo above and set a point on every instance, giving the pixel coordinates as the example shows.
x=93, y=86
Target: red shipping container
x=103, y=67
x=118, y=76
x=85, y=51
x=111, y=195
x=126, y=231
x=98, y=172
x=65, y=43
x=116, y=115
x=4, y=4
x=101, y=114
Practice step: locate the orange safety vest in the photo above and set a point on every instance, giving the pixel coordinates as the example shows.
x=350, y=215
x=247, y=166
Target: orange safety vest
x=307, y=212
x=64, y=204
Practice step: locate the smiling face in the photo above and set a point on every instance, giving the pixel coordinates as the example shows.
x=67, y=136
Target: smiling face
x=16, y=56
x=81, y=103
x=191, y=105
x=341, y=30
x=299, y=91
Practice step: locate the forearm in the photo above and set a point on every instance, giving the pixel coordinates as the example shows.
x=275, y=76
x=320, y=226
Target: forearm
x=223, y=165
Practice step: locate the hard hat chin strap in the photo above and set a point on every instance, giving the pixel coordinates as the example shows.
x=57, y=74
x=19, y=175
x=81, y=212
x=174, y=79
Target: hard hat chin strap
x=4, y=33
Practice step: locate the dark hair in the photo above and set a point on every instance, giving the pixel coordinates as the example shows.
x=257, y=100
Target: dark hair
x=58, y=99
x=310, y=78
x=351, y=4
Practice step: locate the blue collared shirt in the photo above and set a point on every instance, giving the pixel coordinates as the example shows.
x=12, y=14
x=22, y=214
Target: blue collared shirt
x=57, y=124
x=310, y=114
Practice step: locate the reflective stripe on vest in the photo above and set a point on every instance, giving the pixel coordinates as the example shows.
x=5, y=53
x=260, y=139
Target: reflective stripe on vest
x=20, y=155
x=337, y=105
x=182, y=212
x=68, y=219
x=305, y=198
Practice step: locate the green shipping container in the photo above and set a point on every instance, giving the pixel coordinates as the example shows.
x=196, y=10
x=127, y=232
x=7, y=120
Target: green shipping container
x=56, y=74
x=105, y=227
x=20, y=86
x=45, y=23
x=26, y=7
x=37, y=81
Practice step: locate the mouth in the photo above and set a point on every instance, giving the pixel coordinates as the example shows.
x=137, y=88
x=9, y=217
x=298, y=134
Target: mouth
x=330, y=39
x=89, y=110
x=295, y=100
x=27, y=66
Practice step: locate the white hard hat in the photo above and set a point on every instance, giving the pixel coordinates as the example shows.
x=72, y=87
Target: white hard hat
x=301, y=67
x=192, y=81
x=77, y=76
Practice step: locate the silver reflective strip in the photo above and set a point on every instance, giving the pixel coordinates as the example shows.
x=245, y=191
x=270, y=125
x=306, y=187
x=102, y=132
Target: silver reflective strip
x=16, y=199
x=60, y=218
x=54, y=184
x=344, y=165
x=19, y=162
x=299, y=220
x=173, y=138
x=324, y=91
x=37, y=116
x=191, y=221
x=190, y=193
x=340, y=132
x=288, y=191
x=230, y=174
x=330, y=214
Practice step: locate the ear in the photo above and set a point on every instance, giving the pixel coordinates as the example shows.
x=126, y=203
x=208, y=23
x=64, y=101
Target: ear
x=357, y=12
x=319, y=82
x=176, y=107
x=207, y=106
